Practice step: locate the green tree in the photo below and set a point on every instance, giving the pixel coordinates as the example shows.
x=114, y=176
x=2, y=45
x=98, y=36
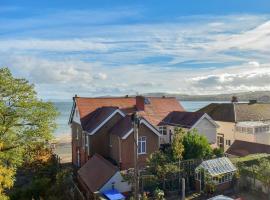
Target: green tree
x=161, y=165
x=196, y=146
x=263, y=173
x=25, y=122
x=218, y=152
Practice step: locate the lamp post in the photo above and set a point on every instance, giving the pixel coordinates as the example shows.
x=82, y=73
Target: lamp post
x=135, y=123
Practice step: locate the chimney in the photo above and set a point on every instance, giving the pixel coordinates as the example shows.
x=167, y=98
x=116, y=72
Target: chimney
x=234, y=99
x=140, y=103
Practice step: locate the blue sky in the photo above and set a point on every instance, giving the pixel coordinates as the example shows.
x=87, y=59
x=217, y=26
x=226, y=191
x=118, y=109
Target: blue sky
x=94, y=48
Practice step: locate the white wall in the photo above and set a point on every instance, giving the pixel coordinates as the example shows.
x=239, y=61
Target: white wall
x=76, y=116
x=205, y=127
x=119, y=184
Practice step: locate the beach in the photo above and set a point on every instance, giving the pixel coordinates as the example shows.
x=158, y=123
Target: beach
x=62, y=147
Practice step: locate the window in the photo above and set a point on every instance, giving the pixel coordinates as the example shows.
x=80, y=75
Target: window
x=162, y=130
x=228, y=142
x=142, y=145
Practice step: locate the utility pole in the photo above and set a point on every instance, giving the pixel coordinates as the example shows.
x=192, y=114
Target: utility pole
x=183, y=189
x=135, y=122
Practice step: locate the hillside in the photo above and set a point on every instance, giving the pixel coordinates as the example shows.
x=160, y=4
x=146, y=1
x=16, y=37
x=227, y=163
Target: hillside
x=243, y=96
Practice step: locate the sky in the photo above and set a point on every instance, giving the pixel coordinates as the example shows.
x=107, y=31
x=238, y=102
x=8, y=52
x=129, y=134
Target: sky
x=98, y=48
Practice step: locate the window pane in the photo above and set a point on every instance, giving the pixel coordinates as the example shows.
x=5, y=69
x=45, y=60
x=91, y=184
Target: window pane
x=143, y=147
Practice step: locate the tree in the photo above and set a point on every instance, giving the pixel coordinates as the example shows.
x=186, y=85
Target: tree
x=162, y=166
x=218, y=152
x=25, y=122
x=263, y=173
x=177, y=144
x=196, y=146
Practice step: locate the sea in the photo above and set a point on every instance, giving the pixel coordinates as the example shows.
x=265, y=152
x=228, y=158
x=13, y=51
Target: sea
x=64, y=108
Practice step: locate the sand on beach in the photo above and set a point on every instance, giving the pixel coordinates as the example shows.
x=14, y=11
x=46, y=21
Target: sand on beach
x=62, y=147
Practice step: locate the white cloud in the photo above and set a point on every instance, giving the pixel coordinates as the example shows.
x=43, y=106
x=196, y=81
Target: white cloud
x=101, y=76
x=214, y=55
x=254, y=63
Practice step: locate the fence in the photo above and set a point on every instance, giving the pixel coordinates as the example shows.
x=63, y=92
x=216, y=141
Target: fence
x=172, y=183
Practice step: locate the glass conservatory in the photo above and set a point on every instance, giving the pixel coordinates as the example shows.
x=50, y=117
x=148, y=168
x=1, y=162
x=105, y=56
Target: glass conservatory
x=215, y=172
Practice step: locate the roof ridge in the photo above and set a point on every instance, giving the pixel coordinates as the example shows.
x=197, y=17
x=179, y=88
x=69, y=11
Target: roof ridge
x=105, y=161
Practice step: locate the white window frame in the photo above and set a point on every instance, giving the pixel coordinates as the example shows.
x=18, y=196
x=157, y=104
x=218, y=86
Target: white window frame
x=141, y=142
x=162, y=130
x=228, y=142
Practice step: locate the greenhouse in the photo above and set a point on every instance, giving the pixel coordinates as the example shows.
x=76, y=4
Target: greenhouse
x=217, y=172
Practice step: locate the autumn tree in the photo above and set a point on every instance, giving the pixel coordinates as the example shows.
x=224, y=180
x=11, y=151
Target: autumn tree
x=25, y=122
x=177, y=144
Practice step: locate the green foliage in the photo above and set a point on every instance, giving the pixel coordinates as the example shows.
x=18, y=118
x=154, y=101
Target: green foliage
x=161, y=165
x=177, y=144
x=25, y=122
x=196, y=146
x=144, y=196
x=48, y=182
x=159, y=194
x=218, y=152
x=263, y=172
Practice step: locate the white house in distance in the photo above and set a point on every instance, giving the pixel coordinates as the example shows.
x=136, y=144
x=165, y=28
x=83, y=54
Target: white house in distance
x=200, y=121
x=248, y=122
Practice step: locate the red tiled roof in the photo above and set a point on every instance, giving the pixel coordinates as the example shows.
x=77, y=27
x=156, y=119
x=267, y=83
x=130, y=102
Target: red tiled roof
x=183, y=119
x=154, y=112
x=243, y=148
x=88, y=105
x=159, y=108
x=96, y=172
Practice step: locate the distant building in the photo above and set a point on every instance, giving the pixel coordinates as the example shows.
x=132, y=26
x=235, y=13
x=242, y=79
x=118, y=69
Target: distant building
x=240, y=121
x=217, y=172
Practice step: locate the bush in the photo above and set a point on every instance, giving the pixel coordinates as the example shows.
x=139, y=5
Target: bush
x=159, y=194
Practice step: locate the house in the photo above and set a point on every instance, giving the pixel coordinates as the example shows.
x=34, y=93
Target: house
x=243, y=148
x=99, y=176
x=240, y=121
x=200, y=121
x=216, y=172
x=103, y=126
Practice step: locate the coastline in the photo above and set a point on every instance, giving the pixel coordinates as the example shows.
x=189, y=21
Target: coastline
x=62, y=147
